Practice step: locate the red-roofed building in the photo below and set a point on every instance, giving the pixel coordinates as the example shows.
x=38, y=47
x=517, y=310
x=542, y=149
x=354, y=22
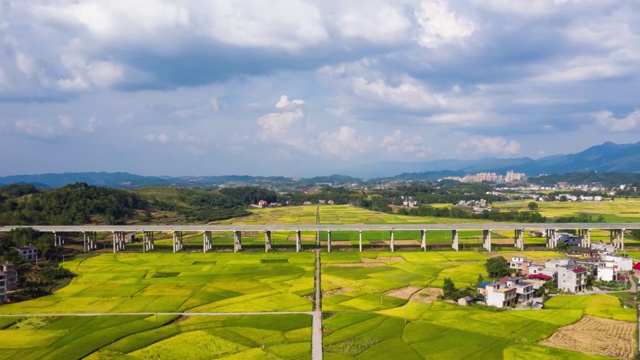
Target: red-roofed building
x=636, y=270
x=540, y=277
x=572, y=280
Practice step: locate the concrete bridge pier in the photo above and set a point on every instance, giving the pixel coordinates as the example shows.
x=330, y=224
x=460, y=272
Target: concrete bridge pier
x=85, y=241
x=518, y=239
x=585, y=234
x=360, y=240
x=393, y=248
x=454, y=240
x=423, y=240
x=617, y=238
x=486, y=239
x=177, y=241
x=89, y=240
x=298, y=241
x=267, y=240
x=551, y=238
x=328, y=240
x=147, y=241
x=118, y=241
x=237, y=241
x=206, y=241
x=57, y=239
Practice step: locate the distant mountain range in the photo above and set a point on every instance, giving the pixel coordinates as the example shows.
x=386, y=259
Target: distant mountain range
x=607, y=157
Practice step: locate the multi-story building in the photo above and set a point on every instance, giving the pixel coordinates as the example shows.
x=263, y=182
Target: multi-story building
x=29, y=252
x=509, y=291
x=12, y=275
x=3, y=286
x=520, y=264
x=572, y=279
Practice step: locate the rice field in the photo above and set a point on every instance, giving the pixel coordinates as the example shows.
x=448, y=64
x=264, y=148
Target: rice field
x=193, y=282
x=376, y=304
x=619, y=210
x=368, y=322
x=158, y=337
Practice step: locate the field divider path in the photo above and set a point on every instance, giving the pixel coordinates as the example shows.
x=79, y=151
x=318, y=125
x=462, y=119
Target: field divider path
x=316, y=338
x=311, y=313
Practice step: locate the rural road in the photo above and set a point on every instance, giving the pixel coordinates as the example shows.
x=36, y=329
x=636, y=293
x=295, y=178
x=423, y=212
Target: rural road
x=316, y=338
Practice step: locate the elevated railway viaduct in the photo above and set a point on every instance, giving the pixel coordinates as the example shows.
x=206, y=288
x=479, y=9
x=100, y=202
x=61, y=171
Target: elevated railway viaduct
x=550, y=231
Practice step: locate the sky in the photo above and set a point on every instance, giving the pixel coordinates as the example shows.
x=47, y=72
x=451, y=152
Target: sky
x=304, y=88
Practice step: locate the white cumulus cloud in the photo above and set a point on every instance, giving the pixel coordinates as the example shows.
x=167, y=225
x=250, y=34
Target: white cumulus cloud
x=275, y=126
x=631, y=122
x=439, y=25
x=408, y=93
x=398, y=143
x=496, y=145
x=285, y=102
x=343, y=143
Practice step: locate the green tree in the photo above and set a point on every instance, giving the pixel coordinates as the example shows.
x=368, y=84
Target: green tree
x=480, y=279
x=532, y=205
x=449, y=288
x=497, y=267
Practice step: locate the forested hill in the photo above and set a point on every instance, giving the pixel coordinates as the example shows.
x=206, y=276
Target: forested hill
x=72, y=204
x=81, y=203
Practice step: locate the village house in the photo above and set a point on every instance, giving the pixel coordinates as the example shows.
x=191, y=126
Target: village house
x=466, y=301
x=609, y=266
x=29, y=252
x=636, y=270
x=508, y=291
x=603, y=248
x=572, y=279
x=12, y=275
x=520, y=264
x=3, y=286
x=262, y=203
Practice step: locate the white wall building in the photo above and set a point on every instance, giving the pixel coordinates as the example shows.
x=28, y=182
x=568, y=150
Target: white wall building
x=572, y=280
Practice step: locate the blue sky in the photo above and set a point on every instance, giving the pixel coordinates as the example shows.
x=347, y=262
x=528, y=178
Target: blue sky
x=300, y=88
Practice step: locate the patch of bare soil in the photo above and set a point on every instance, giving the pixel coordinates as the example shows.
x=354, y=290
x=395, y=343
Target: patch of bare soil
x=406, y=242
x=403, y=293
x=326, y=294
x=596, y=336
x=378, y=243
x=502, y=241
x=426, y=295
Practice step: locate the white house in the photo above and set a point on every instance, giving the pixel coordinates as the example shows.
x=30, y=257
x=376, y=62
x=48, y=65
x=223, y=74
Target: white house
x=606, y=272
x=622, y=264
x=572, y=279
x=509, y=291
x=602, y=247
x=29, y=252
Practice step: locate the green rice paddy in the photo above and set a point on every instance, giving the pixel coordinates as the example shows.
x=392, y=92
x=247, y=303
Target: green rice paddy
x=362, y=320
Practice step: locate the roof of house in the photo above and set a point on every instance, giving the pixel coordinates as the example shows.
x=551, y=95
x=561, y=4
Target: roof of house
x=484, y=284
x=636, y=266
x=504, y=290
x=540, y=276
x=579, y=270
x=28, y=247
